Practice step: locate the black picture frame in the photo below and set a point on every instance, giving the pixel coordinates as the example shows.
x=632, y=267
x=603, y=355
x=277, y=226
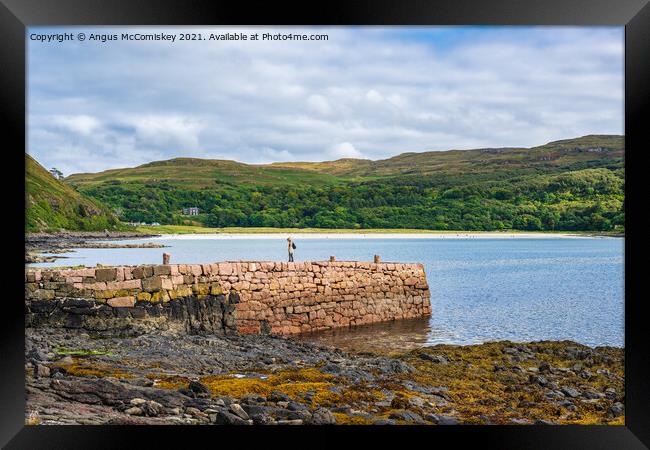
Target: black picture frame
x=16, y=15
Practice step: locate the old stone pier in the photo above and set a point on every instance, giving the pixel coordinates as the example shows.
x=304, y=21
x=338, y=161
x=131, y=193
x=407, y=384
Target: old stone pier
x=240, y=296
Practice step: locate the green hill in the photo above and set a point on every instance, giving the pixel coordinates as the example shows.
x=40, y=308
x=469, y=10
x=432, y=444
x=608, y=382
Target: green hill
x=194, y=173
x=52, y=204
x=555, y=155
x=575, y=184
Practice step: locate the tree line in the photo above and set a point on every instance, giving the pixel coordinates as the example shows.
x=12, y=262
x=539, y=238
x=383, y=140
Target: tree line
x=587, y=199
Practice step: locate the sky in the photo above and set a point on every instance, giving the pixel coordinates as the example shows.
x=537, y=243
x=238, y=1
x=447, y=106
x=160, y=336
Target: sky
x=366, y=92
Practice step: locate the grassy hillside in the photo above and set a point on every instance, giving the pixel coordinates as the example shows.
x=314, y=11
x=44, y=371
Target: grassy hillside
x=52, y=204
x=575, y=184
x=194, y=173
x=580, y=152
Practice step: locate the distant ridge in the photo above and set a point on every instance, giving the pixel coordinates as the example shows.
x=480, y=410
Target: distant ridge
x=558, y=153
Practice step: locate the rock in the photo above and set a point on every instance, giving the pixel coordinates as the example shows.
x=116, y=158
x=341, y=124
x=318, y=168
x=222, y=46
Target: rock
x=152, y=408
x=551, y=395
x=384, y=422
x=407, y=416
x=442, y=420
x=186, y=392
x=568, y=405
x=586, y=374
x=418, y=402
x=134, y=411
x=592, y=395
x=610, y=393
x=193, y=411
x=302, y=414
x=322, y=416
x=262, y=419
x=537, y=379
x=252, y=410
x=544, y=367
x=520, y=421
x=290, y=422
x=295, y=406
x=145, y=382
x=331, y=368
x=252, y=398
x=485, y=420
x=544, y=422
x=66, y=360
x=198, y=387
x=41, y=371
x=227, y=418
x=283, y=404
x=91, y=391
x=617, y=409
x=570, y=392
x=341, y=409
x=38, y=355
x=438, y=359
x=396, y=366
x=238, y=411
x=277, y=396
x=137, y=401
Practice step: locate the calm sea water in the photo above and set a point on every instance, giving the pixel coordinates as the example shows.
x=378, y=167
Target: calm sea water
x=481, y=289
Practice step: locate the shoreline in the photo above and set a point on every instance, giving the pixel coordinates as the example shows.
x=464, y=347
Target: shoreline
x=263, y=380
x=376, y=235
x=265, y=232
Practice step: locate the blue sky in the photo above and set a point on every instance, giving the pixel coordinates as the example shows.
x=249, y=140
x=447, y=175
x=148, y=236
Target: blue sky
x=367, y=92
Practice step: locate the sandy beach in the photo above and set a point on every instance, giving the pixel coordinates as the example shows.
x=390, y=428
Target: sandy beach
x=425, y=235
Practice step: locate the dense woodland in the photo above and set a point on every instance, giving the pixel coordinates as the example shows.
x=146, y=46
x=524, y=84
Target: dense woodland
x=587, y=199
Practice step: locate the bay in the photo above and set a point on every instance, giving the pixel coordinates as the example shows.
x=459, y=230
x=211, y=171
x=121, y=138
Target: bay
x=519, y=289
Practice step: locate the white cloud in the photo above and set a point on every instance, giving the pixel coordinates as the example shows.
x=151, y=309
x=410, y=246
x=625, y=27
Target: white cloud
x=374, y=96
x=366, y=92
x=166, y=131
x=80, y=124
x=319, y=104
x=343, y=150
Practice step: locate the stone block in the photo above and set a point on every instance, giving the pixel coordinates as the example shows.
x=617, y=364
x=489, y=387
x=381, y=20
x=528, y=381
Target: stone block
x=144, y=296
x=121, y=302
x=105, y=293
x=162, y=270
x=106, y=274
x=152, y=284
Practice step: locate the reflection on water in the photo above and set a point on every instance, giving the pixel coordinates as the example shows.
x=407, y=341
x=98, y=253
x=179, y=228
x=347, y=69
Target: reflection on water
x=384, y=337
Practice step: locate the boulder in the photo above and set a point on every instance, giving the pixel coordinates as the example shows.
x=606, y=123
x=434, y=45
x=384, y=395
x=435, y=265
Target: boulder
x=236, y=409
x=322, y=416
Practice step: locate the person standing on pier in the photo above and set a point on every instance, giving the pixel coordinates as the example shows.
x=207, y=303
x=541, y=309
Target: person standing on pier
x=291, y=246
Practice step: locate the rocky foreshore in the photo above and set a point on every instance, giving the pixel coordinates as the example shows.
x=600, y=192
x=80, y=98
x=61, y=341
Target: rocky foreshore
x=61, y=242
x=76, y=378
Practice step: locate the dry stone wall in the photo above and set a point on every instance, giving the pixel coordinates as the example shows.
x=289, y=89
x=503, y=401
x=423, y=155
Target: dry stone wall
x=242, y=296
